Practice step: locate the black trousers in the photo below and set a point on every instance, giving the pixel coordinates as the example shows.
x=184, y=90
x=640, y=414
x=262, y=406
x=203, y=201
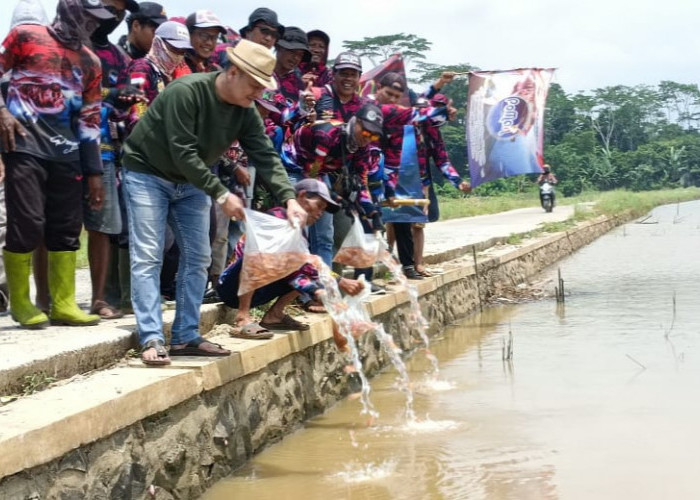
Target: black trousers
x=44, y=203
x=404, y=242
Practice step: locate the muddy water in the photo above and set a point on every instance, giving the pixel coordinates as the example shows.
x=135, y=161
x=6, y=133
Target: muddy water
x=600, y=401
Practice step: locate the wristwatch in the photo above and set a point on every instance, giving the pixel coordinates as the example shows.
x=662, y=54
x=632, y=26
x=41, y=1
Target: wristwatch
x=222, y=199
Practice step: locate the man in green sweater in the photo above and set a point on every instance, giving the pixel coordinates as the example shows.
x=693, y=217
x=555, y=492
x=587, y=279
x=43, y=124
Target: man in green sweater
x=167, y=180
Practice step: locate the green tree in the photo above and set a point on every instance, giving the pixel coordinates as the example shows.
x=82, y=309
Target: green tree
x=379, y=48
x=559, y=115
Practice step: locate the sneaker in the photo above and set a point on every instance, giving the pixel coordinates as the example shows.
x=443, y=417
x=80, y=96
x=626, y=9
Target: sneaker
x=378, y=290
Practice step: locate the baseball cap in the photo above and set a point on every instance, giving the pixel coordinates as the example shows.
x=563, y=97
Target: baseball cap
x=439, y=100
x=371, y=118
x=348, y=60
x=294, y=39
x=265, y=15
x=175, y=34
x=151, y=11
x=314, y=186
x=96, y=9
x=204, y=19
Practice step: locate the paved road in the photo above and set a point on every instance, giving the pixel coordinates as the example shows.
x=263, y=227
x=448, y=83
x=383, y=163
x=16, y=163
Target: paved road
x=446, y=235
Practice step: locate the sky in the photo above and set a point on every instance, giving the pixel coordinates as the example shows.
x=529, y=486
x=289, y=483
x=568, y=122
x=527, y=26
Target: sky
x=593, y=44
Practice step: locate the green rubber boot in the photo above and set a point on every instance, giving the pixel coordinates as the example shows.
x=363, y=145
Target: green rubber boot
x=64, y=310
x=18, y=267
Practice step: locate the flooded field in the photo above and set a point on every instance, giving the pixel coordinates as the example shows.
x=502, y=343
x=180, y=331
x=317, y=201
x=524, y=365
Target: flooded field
x=600, y=399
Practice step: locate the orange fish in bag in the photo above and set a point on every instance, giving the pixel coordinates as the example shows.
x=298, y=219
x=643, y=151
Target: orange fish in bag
x=358, y=249
x=273, y=249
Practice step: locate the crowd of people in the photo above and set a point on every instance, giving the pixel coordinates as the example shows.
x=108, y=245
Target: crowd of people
x=157, y=144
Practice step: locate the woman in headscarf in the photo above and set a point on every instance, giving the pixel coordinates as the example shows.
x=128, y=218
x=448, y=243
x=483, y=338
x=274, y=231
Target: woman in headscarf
x=152, y=73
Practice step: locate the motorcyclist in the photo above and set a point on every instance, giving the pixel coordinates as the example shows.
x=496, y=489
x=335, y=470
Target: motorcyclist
x=546, y=176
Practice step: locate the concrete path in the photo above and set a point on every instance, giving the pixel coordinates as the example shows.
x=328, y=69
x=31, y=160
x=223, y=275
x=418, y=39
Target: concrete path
x=63, y=352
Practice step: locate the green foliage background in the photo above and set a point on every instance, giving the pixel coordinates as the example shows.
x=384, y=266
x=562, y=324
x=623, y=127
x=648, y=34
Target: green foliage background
x=638, y=138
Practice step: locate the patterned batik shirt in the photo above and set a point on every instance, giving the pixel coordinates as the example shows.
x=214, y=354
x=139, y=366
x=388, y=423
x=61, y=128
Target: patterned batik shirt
x=435, y=149
x=143, y=75
x=329, y=106
x=321, y=148
x=55, y=92
x=290, y=84
x=114, y=64
x=324, y=74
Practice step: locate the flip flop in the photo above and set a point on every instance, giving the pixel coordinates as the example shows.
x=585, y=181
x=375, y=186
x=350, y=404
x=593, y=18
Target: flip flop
x=423, y=271
x=252, y=331
x=162, y=354
x=193, y=348
x=287, y=323
x=105, y=311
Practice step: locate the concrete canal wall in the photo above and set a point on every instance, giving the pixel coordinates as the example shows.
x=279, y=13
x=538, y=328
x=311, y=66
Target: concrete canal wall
x=132, y=432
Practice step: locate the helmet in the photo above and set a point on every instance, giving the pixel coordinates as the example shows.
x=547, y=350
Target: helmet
x=546, y=169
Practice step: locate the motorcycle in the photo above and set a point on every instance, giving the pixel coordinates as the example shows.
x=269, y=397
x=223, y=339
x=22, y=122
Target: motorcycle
x=547, y=196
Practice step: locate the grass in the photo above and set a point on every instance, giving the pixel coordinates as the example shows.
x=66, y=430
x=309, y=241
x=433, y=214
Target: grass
x=587, y=206
x=605, y=203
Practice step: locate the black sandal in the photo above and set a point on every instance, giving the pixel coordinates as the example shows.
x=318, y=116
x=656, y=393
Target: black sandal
x=162, y=354
x=192, y=349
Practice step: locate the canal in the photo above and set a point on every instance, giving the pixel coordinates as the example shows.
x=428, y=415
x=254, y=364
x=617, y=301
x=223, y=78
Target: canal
x=599, y=401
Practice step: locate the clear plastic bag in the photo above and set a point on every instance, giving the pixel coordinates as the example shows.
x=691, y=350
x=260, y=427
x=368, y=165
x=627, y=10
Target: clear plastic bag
x=273, y=249
x=358, y=249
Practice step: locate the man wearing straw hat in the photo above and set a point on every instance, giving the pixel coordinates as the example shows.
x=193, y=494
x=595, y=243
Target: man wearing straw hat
x=168, y=180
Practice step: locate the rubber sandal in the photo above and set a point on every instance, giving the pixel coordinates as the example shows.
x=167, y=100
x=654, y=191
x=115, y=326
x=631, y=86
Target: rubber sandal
x=193, y=348
x=424, y=272
x=162, y=354
x=287, y=323
x=251, y=331
x=105, y=311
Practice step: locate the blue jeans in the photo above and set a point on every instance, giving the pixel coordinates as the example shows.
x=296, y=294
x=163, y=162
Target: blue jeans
x=152, y=203
x=321, y=238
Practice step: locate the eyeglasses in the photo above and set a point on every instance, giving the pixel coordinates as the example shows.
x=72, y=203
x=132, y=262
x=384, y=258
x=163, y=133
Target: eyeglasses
x=372, y=136
x=265, y=31
x=206, y=37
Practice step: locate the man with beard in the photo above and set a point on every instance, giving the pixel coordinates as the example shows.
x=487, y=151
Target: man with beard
x=49, y=126
x=100, y=224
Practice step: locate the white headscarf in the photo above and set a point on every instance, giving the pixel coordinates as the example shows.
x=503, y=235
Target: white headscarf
x=29, y=12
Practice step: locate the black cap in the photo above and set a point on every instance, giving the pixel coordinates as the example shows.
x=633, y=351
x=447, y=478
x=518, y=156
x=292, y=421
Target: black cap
x=150, y=11
x=319, y=188
x=319, y=34
x=96, y=9
x=371, y=118
x=294, y=39
x=132, y=6
x=263, y=14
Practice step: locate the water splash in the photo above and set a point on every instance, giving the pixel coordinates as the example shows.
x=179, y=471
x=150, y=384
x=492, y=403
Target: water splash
x=392, y=351
x=415, y=316
x=345, y=319
x=360, y=473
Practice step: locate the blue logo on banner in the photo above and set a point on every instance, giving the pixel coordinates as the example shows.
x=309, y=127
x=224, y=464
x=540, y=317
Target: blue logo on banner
x=507, y=117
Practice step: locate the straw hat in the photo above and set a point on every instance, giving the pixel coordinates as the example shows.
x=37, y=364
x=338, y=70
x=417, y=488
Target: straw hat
x=255, y=60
